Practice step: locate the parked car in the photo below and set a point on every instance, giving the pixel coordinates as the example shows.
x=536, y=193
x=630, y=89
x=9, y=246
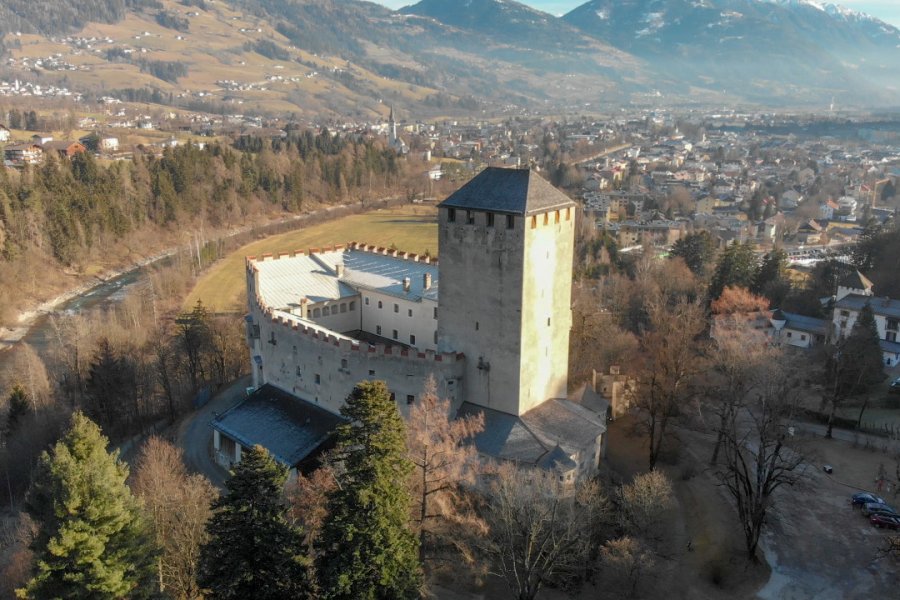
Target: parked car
x=877, y=507
x=861, y=498
x=886, y=521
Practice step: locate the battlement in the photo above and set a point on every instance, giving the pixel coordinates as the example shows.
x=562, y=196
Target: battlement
x=251, y=260
x=332, y=338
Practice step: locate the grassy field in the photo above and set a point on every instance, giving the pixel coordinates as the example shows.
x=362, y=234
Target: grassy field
x=409, y=228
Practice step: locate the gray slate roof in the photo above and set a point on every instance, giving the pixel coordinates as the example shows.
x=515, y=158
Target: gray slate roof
x=804, y=323
x=288, y=427
x=516, y=191
x=885, y=307
x=546, y=436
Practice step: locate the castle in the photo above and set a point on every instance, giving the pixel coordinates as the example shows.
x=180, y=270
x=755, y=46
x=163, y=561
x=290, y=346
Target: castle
x=490, y=322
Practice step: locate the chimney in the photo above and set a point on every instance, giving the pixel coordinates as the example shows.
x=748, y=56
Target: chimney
x=304, y=308
x=406, y=283
x=339, y=269
x=426, y=281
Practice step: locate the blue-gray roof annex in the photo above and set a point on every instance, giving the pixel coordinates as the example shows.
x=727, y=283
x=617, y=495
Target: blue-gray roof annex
x=288, y=427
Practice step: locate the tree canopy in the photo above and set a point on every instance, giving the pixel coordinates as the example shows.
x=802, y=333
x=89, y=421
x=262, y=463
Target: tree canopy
x=92, y=541
x=367, y=550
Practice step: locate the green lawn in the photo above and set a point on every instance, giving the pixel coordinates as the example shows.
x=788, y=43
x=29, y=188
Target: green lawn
x=409, y=228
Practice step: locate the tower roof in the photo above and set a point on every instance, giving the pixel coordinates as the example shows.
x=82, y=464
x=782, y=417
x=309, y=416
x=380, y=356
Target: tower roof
x=856, y=281
x=517, y=191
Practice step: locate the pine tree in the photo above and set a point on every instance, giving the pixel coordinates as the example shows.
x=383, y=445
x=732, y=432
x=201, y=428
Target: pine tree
x=697, y=249
x=367, y=551
x=18, y=408
x=253, y=552
x=736, y=267
x=92, y=541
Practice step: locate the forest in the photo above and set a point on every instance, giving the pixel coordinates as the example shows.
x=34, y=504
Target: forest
x=68, y=215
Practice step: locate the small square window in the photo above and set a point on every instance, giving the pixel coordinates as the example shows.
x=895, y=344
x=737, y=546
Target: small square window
x=490, y=219
x=802, y=338
x=379, y=304
x=470, y=217
x=410, y=399
x=396, y=308
x=510, y=222
x=790, y=334
x=371, y=372
x=409, y=312
x=343, y=363
x=451, y=215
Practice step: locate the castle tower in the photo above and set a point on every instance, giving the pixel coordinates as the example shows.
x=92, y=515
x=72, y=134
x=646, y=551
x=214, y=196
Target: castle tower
x=506, y=245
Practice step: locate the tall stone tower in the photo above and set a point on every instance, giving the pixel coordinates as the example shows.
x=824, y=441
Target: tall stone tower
x=506, y=245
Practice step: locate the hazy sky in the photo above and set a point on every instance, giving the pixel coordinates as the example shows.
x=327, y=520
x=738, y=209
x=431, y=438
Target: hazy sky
x=886, y=10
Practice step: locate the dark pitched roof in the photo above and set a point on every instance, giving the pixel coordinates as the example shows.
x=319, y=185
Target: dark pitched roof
x=288, y=427
x=855, y=281
x=517, y=191
x=885, y=307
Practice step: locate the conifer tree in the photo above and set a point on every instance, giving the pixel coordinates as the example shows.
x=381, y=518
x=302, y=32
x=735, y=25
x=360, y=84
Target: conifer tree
x=737, y=266
x=367, y=550
x=92, y=541
x=253, y=551
x=18, y=408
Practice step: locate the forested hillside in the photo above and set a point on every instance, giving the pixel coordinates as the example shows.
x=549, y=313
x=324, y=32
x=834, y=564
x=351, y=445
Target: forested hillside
x=71, y=215
x=52, y=17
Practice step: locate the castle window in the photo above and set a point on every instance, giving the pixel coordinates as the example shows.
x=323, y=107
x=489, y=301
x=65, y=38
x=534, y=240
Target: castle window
x=396, y=308
x=410, y=399
x=470, y=217
x=790, y=334
x=393, y=397
x=490, y=219
x=510, y=221
x=378, y=330
x=367, y=300
x=318, y=379
x=476, y=325
x=352, y=306
x=802, y=338
x=845, y=313
x=534, y=221
x=556, y=217
x=371, y=372
x=435, y=312
x=299, y=373
x=548, y=321
x=890, y=336
x=409, y=312
x=395, y=334
x=343, y=363
x=412, y=339
x=343, y=307
x=317, y=312
x=451, y=215
x=892, y=324
x=435, y=336
x=379, y=304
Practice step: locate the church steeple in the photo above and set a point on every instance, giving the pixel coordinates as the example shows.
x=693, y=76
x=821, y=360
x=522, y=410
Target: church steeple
x=392, y=125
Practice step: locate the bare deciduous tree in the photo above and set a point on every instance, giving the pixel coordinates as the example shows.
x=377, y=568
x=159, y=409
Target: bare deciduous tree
x=758, y=454
x=535, y=532
x=444, y=461
x=307, y=498
x=671, y=360
x=179, y=507
x=739, y=355
x=643, y=504
x=627, y=561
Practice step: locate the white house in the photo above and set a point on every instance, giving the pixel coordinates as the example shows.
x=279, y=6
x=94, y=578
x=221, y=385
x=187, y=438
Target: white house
x=887, y=320
x=4, y=134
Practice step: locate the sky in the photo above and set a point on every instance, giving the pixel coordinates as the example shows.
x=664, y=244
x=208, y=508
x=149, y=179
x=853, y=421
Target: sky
x=886, y=10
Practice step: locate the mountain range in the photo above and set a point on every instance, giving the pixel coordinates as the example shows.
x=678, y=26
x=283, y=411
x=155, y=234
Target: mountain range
x=448, y=56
